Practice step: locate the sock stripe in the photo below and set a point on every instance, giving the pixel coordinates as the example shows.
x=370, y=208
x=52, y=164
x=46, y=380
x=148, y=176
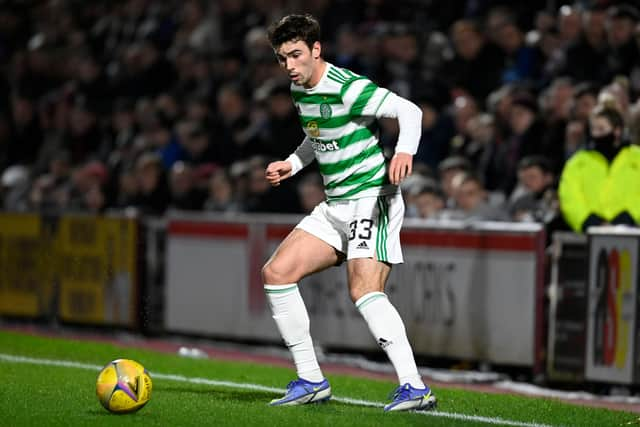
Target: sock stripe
x=366, y=299
x=280, y=289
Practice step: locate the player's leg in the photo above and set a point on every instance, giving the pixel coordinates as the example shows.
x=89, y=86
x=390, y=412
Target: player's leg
x=366, y=286
x=299, y=255
x=368, y=272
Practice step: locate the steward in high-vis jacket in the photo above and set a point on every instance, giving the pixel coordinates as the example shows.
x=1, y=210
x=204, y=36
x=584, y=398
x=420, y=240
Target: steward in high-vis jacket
x=601, y=184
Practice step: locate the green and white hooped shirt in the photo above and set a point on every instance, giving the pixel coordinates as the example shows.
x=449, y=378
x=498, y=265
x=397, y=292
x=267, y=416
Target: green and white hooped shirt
x=338, y=116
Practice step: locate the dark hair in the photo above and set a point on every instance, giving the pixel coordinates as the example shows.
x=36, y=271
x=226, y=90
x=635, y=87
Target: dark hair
x=540, y=162
x=624, y=11
x=471, y=177
x=294, y=28
x=433, y=188
x=454, y=162
x=585, y=88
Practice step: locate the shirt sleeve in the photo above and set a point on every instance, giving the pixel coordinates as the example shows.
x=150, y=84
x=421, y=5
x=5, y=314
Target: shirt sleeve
x=300, y=158
x=409, y=117
x=362, y=97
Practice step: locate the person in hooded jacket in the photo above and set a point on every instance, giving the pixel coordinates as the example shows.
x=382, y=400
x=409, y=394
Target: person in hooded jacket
x=599, y=184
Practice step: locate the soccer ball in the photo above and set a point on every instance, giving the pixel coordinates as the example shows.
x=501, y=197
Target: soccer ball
x=123, y=386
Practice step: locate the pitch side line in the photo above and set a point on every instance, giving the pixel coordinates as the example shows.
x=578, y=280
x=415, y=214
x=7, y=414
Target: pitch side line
x=9, y=358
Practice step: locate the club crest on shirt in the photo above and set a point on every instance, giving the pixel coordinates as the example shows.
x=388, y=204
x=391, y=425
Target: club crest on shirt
x=312, y=129
x=325, y=111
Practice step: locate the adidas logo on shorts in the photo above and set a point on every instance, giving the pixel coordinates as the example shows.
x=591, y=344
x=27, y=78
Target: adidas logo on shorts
x=362, y=245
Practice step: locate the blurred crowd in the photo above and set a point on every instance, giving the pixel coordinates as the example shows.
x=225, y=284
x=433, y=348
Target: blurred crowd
x=150, y=106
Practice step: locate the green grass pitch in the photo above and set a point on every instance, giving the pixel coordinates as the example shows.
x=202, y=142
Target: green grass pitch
x=38, y=389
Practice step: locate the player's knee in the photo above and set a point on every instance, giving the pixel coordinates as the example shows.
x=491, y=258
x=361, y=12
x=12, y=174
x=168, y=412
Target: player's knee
x=267, y=273
x=276, y=272
x=359, y=289
x=356, y=292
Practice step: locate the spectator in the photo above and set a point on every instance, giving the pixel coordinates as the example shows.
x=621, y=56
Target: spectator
x=310, y=191
x=145, y=71
x=87, y=191
x=239, y=136
x=437, y=125
x=616, y=94
x=556, y=102
x=195, y=140
x=569, y=24
x=95, y=201
x=185, y=195
x=535, y=199
x=222, y=197
x=472, y=201
x=262, y=197
x=14, y=189
x=347, y=53
x=429, y=201
x=499, y=106
x=401, y=50
x=586, y=59
x=26, y=137
x=410, y=188
x=108, y=81
x=448, y=169
x=83, y=136
x=197, y=29
x=474, y=56
x=198, y=109
x=464, y=108
x=623, y=54
x=153, y=196
x=118, y=146
x=526, y=139
x=157, y=135
x=482, y=150
x=575, y=137
x=52, y=191
x=281, y=132
x=523, y=62
x=128, y=188
x=595, y=186
x=585, y=98
x=90, y=83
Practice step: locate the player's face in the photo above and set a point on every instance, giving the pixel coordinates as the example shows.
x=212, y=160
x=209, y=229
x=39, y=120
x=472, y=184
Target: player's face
x=300, y=62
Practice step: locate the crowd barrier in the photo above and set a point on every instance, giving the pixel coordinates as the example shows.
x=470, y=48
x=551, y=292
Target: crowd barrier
x=467, y=292
x=594, y=301
x=486, y=292
x=76, y=268
x=613, y=295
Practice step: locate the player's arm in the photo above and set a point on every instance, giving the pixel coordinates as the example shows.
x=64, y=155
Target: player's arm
x=409, y=117
x=282, y=169
x=365, y=98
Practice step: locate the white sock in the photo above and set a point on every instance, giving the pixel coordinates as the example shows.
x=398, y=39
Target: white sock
x=388, y=330
x=292, y=319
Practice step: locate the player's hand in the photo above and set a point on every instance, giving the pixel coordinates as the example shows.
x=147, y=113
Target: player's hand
x=401, y=167
x=277, y=171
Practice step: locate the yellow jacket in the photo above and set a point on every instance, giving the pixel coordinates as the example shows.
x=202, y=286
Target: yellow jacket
x=589, y=185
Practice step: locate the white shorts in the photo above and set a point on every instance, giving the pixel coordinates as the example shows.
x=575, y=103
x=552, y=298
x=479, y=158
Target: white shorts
x=362, y=228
